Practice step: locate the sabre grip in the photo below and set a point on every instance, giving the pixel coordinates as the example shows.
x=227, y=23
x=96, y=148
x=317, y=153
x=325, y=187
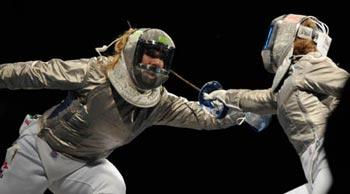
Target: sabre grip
x=215, y=107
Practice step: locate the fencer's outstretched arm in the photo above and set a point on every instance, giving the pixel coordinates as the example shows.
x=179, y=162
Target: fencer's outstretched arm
x=255, y=101
x=179, y=112
x=317, y=77
x=53, y=74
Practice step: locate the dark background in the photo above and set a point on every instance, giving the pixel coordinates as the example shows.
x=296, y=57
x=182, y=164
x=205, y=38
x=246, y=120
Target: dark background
x=215, y=41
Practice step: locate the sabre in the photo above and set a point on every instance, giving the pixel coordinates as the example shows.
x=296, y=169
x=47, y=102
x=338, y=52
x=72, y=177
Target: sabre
x=258, y=122
x=185, y=80
x=199, y=90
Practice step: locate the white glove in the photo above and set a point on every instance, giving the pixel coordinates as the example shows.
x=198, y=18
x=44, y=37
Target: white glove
x=220, y=95
x=216, y=95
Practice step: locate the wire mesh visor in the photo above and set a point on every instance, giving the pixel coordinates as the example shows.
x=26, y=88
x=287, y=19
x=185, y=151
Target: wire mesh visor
x=273, y=29
x=150, y=76
x=281, y=34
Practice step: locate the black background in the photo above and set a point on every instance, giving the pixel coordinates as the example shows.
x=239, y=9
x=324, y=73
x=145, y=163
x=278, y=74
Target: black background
x=215, y=41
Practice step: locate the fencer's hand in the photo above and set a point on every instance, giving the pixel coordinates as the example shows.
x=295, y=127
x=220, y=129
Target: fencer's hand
x=216, y=95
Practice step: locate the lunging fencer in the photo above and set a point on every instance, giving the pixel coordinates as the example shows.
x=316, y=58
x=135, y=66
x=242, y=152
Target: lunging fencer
x=110, y=101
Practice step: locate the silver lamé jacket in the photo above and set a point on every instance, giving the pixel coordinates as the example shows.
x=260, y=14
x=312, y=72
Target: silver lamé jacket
x=303, y=101
x=94, y=119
